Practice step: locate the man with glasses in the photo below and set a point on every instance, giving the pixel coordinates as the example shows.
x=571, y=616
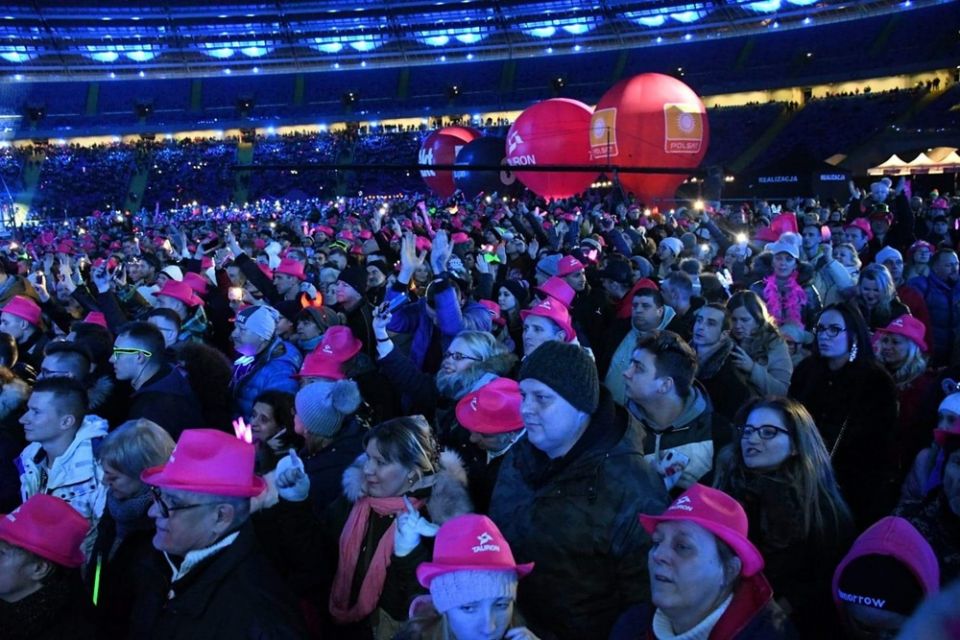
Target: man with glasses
x=161, y=392
x=215, y=581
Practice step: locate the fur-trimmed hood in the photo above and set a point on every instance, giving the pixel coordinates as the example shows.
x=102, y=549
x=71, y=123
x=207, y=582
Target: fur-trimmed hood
x=448, y=493
x=12, y=397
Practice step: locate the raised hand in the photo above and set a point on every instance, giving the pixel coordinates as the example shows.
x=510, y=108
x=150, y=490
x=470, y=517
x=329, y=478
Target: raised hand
x=293, y=483
x=411, y=526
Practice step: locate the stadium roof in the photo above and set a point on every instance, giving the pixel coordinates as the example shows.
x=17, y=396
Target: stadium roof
x=68, y=38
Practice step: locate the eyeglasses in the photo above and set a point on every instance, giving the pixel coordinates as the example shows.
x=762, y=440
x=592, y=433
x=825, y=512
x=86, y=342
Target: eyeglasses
x=765, y=431
x=122, y=351
x=456, y=356
x=831, y=332
x=165, y=509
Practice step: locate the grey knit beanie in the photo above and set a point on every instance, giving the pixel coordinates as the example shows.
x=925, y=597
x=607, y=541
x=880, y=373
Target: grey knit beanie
x=568, y=370
x=322, y=405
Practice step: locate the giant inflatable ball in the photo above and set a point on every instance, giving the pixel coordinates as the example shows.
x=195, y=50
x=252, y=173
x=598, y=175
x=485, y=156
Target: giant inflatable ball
x=442, y=147
x=485, y=151
x=649, y=120
x=551, y=132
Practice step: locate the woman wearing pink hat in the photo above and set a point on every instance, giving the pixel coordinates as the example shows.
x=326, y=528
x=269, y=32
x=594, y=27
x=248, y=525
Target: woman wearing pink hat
x=473, y=586
x=706, y=577
x=902, y=350
x=918, y=260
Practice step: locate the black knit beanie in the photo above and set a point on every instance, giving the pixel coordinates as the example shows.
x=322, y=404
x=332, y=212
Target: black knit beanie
x=519, y=291
x=568, y=370
x=356, y=277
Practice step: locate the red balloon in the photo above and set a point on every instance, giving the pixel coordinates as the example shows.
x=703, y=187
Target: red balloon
x=441, y=147
x=551, y=132
x=650, y=120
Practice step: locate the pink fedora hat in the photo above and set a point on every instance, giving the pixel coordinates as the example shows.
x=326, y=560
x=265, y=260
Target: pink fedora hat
x=208, y=461
x=318, y=364
x=48, y=527
x=23, y=307
x=558, y=289
x=470, y=542
x=568, y=265
x=291, y=267
x=180, y=291
x=339, y=343
x=493, y=408
x=719, y=514
x=554, y=310
x=908, y=327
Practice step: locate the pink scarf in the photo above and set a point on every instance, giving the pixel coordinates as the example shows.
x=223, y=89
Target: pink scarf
x=351, y=541
x=786, y=306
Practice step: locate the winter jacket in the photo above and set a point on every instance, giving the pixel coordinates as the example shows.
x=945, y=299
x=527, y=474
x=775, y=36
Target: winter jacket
x=445, y=499
x=13, y=397
x=898, y=539
x=798, y=565
x=772, y=366
x=943, y=304
x=76, y=476
x=751, y=615
x=114, y=572
x=271, y=371
x=576, y=518
x=727, y=387
x=325, y=467
x=877, y=319
x=940, y=527
x=858, y=401
x=234, y=593
x=58, y=611
x=451, y=320
x=684, y=452
x=167, y=399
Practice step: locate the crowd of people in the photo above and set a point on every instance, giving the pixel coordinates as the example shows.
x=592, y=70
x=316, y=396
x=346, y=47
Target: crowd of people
x=495, y=418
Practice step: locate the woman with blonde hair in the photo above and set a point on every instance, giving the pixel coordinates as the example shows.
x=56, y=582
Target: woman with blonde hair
x=877, y=297
x=902, y=350
x=125, y=532
x=779, y=470
x=761, y=353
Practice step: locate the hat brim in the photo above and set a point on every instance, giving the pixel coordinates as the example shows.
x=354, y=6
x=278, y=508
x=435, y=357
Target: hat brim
x=920, y=343
x=427, y=571
x=72, y=561
x=155, y=476
x=750, y=557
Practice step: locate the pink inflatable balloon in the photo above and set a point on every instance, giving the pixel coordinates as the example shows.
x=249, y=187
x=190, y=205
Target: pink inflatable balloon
x=442, y=147
x=650, y=120
x=551, y=132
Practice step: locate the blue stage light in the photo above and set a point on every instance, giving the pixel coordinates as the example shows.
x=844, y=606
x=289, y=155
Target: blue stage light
x=764, y=6
x=541, y=32
x=362, y=45
x=254, y=52
x=221, y=54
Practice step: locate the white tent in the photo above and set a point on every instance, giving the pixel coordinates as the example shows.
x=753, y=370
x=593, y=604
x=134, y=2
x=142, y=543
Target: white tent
x=892, y=166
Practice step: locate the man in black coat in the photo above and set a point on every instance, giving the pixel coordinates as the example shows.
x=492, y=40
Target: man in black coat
x=161, y=392
x=216, y=581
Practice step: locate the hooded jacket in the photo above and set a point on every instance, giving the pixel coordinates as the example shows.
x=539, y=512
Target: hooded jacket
x=897, y=538
x=75, y=476
x=576, y=518
x=943, y=304
x=272, y=371
x=684, y=452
